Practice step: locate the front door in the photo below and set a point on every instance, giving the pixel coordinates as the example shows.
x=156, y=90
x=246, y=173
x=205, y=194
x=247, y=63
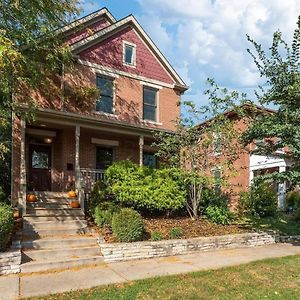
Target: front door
x=39, y=168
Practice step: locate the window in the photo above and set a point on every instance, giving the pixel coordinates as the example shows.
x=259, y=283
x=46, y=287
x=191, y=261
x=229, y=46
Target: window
x=129, y=54
x=105, y=102
x=104, y=158
x=217, y=144
x=150, y=104
x=149, y=160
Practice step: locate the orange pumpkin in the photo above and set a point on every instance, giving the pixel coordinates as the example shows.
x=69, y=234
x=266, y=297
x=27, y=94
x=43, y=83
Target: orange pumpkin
x=75, y=204
x=72, y=194
x=31, y=198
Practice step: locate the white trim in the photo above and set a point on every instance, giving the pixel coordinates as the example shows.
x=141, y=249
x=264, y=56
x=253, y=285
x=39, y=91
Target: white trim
x=104, y=142
x=130, y=19
x=40, y=132
x=133, y=46
x=104, y=12
x=156, y=122
x=151, y=85
x=111, y=72
x=106, y=73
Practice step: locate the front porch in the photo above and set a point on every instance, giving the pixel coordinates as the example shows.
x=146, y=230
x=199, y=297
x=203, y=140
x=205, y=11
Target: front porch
x=57, y=157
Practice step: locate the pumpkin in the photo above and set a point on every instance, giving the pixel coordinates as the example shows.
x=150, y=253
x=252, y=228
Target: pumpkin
x=72, y=194
x=75, y=204
x=31, y=198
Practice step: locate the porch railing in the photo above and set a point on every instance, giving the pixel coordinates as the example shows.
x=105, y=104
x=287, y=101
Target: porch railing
x=89, y=177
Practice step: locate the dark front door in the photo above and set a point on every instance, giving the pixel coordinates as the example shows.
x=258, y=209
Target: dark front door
x=39, y=168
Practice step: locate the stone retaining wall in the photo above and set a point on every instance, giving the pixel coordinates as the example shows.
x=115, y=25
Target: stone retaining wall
x=10, y=262
x=288, y=239
x=139, y=250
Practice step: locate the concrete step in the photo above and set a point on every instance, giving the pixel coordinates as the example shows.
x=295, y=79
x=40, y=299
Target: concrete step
x=48, y=205
x=33, y=224
x=37, y=266
x=43, y=255
x=38, y=233
x=54, y=212
x=33, y=218
x=52, y=195
x=63, y=243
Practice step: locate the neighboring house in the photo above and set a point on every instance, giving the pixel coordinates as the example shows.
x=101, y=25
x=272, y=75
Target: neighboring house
x=248, y=165
x=71, y=143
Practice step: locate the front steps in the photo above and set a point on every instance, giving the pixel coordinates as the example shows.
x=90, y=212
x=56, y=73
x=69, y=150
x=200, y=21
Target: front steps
x=56, y=236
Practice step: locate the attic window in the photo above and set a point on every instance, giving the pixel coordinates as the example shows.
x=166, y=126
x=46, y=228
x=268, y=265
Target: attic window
x=129, y=54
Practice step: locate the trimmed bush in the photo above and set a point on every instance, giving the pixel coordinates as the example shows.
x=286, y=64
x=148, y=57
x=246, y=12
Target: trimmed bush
x=104, y=213
x=98, y=196
x=293, y=199
x=6, y=225
x=156, y=236
x=218, y=214
x=127, y=225
x=175, y=233
x=145, y=188
x=260, y=200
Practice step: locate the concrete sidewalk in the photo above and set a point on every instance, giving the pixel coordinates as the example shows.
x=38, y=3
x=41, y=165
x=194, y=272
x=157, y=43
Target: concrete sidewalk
x=15, y=286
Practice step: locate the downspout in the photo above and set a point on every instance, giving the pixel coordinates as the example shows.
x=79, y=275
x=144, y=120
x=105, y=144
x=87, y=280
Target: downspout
x=62, y=86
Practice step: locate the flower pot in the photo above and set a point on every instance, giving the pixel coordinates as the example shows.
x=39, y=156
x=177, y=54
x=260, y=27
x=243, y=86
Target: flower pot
x=75, y=204
x=72, y=194
x=31, y=198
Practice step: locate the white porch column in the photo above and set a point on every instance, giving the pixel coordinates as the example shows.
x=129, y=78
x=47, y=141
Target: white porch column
x=77, y=168
x=23, y=166
x=141, y=144
x=251, y=177
x=281, y=190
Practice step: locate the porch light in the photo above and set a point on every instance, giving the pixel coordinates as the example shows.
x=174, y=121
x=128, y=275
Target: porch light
x=47, y=140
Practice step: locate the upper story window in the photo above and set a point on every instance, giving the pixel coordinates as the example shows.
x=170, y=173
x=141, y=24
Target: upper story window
x=105, y=102
x=129, y=54
x=217, y=143
x=150, y=104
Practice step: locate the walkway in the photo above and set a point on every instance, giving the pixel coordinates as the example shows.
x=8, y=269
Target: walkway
x=27, y=285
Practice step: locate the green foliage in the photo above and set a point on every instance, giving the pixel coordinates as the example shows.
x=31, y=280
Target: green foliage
x=260, y=200
x=218, y=214
x=156, y=236
x=104, y=213
x=146, y=188
x=293, y=199
x=175, y=233
x=128, y=225
x=6, y=225
x=98, y=196
x=280, y=69
x=212, y=198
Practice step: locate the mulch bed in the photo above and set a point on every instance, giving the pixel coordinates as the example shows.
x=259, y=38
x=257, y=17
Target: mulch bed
x=190, y=228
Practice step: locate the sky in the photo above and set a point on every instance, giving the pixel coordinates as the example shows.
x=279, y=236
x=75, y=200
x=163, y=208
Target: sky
x=207, y=38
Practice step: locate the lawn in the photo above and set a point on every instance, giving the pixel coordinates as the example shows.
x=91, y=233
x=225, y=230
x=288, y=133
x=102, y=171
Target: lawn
x=268, y=279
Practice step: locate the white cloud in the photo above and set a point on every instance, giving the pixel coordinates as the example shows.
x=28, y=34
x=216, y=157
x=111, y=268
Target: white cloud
x=207, y=38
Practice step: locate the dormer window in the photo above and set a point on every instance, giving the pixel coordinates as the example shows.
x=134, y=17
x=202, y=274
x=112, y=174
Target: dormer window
x=129, y=54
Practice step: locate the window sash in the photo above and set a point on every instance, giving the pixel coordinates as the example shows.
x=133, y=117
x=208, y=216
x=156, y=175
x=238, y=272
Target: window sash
x=129, y=54
x=105, y=101
x=150, y=104
x=104, y=157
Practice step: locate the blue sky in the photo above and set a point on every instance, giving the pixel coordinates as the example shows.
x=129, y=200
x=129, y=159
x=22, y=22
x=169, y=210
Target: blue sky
x=207, y=38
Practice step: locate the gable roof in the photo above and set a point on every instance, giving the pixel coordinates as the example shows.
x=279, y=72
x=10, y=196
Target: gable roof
x=88, y=20
x=119, y=25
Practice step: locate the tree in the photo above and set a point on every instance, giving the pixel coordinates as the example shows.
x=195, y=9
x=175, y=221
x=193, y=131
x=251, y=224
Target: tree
x=199, y=138
x=31, y=51
x=280, y=67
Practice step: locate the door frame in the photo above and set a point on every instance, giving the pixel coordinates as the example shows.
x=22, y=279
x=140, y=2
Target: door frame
x=28, y=160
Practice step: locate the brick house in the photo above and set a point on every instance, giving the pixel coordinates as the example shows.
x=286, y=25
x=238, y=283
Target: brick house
x=248, y=164
x=70, y=143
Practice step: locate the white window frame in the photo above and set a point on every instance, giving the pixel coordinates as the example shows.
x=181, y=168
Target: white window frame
x=157, y=122
x=133, y=46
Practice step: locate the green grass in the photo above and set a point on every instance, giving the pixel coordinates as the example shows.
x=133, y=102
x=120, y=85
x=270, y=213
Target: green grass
x=268, y=279
x=281, y=224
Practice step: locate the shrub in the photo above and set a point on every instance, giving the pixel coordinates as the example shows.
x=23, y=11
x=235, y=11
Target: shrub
x=145, y=188
x=127, y=225
x=104, y=213
x=175, y=233
x=98, y=195
x=218, y=214
x=211, y=198
x=296, y=214
x=6, y=224
x=293, y=199
x=260, y=200
x=156, y=236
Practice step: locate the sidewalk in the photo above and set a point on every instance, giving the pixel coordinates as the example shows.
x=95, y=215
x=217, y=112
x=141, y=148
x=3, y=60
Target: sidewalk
x=14, y=286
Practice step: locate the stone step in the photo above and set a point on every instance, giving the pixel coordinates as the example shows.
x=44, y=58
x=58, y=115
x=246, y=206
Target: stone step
x=63, y=243
x=48, y=205
x=54, y=212
x=38, y=255
x=38, y=233
x=36, y=266
x=53, y=224
x=33, y=218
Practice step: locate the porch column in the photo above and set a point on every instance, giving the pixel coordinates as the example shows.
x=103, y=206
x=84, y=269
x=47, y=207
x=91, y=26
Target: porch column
x=251, y=177
x=141, y=144
x=77, y=168
x=23, y=166
x=281, y=190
